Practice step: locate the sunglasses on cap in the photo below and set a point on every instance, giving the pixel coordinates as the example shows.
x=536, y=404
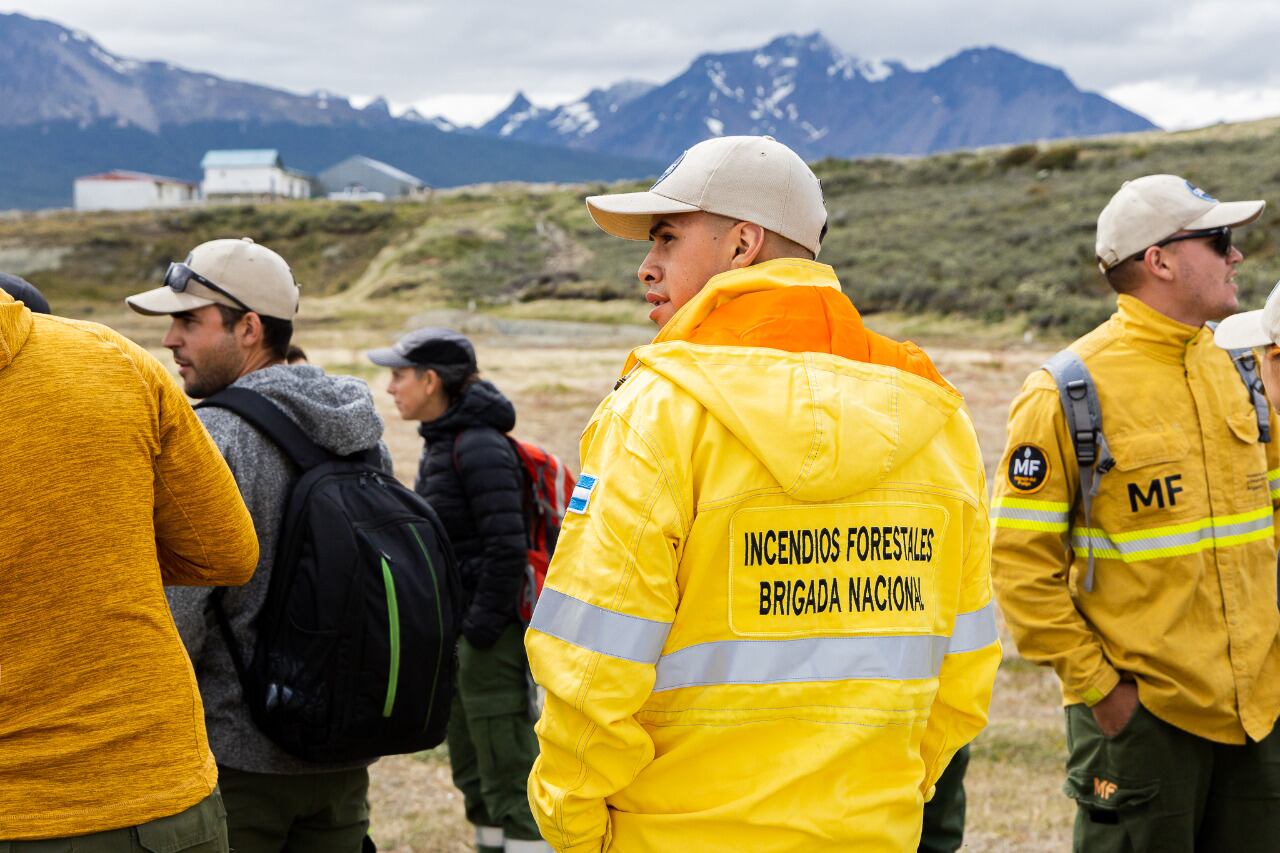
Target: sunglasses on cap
x=178, y=276
x=1221, y=237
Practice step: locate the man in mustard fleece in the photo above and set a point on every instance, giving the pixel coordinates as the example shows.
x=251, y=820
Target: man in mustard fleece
x=112, y=489
x=768, y=625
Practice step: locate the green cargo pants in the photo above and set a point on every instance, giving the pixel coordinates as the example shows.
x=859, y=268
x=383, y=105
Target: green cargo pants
x=491, y=741
x=1154, y=787
x=200, y=829
x=308, y=813
x=943, y=829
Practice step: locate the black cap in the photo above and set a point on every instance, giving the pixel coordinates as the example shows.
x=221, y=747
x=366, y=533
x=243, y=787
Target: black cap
x=25, y=292
x=427, y=348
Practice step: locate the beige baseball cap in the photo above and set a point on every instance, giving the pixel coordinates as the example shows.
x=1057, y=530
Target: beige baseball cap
x=751, y=178
x=1149, y=209
x=242, y=274
x=1251, y=328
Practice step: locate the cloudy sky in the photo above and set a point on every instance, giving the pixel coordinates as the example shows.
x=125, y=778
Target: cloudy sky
x=1182, y=64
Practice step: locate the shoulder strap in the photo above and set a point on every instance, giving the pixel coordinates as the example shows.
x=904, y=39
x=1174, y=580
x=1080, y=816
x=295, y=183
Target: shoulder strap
x=229, y=637
x=279, y=427
x=1247, y=366
x=1080, y=404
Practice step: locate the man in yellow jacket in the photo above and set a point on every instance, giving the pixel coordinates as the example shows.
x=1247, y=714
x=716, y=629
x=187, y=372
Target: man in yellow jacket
x=768, y=625
x=1151, y=589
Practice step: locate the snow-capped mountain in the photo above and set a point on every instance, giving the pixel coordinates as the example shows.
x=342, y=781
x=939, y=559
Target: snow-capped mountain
x=823, y=102
x=566, y=124
x=51, y=73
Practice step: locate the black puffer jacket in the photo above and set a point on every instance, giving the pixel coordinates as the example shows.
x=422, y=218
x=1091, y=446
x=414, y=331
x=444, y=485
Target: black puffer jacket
x=470, y=475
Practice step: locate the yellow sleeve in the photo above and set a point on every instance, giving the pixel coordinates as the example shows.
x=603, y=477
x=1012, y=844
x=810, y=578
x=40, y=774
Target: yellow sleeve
x=968, y=671
x=1036, y=482
x=598, y=631
x=204, y=535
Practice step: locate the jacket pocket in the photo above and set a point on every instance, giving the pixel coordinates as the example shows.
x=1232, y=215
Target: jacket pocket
x=1245, y=425
x=200, y=829
x=1134, y=450
x=1099, y=792
x=1147, y=487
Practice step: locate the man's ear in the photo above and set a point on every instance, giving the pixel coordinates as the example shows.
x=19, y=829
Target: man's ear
x=747, y=241
x=249, y=330
x=1158, y=263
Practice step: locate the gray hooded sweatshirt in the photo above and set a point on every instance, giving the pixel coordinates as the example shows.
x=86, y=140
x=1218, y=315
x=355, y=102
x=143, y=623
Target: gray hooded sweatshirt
x=334, y=411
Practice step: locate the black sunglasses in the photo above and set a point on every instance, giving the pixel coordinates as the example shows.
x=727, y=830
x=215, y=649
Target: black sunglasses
x=1221, y=237
x=178, y=276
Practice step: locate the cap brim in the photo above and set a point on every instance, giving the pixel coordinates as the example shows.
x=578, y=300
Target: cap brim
x=628, y=215
x=1230, y=213
x=165, y=300
x=388, y=357
x=1241, y=331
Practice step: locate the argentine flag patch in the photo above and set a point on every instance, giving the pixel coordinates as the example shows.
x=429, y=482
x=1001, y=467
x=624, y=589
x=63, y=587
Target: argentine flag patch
x=582, y=494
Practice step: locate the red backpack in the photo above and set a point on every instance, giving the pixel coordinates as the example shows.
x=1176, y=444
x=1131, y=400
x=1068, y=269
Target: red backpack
x=548, y=485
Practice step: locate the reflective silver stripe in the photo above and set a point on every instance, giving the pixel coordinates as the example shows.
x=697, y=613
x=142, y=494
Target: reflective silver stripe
x=895, y=658
x=1168, y=544
x=1019, y=514
x=489, y=836
x=597, y=629
x=974, y=630
x=810, y=659
x=515, y=845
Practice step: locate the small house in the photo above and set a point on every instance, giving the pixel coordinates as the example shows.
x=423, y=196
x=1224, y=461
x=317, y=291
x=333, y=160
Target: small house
x=124, y=190
x=257, y=173
x=364, y=177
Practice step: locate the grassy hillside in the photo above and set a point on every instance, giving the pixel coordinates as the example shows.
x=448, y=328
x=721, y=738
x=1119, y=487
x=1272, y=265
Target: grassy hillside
x=996, y=236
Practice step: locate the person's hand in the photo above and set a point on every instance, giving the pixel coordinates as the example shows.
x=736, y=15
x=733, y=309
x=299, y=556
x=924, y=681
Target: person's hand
x=1116, y=708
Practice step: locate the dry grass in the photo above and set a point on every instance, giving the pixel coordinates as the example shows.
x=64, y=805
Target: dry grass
x=555, y=375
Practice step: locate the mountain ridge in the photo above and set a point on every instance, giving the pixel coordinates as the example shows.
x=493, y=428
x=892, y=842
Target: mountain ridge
x=826, y=103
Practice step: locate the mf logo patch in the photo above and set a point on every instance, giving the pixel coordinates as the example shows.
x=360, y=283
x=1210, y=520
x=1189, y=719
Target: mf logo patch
x=1103, y=789
x=1199, y=193
x=1028, y=469
x=582, y=493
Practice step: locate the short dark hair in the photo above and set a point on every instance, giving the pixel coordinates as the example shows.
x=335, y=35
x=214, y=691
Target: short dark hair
x=276, y=333
x=1123, y=277
x=454, y=378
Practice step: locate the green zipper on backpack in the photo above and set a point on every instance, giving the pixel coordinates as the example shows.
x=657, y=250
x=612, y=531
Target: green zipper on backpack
x=431, y=566
x=393, y=623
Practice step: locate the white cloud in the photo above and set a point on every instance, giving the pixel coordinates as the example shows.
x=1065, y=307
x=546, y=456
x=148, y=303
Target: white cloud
x=1179, y=105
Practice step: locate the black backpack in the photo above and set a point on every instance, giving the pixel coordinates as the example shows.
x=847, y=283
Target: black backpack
x=356, y=646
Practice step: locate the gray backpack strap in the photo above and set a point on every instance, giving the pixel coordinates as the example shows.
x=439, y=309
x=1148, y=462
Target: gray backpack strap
x=1079, y=398
x=1247, y=366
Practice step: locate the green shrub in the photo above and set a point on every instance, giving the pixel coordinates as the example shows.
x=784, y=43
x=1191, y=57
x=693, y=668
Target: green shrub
x=1018, y=155
x=1059, y=158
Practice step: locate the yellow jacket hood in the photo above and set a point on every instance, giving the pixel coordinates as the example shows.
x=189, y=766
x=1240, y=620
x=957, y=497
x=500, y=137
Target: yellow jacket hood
x=823, y=426
x=834, y=412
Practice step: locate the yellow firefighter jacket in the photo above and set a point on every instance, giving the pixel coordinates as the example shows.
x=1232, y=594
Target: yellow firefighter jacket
x=768, y=625
x=1184, y=597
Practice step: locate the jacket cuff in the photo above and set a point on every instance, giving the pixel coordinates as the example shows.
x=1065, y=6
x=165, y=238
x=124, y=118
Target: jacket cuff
x=1097, y=688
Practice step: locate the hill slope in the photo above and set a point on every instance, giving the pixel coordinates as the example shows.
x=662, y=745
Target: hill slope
x=996, y=236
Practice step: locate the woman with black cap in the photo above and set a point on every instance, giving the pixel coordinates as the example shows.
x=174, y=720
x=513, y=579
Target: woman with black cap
x=472, y=478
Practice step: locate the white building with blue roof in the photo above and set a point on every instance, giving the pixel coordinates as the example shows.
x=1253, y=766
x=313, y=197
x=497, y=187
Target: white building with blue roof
x=251, y=173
